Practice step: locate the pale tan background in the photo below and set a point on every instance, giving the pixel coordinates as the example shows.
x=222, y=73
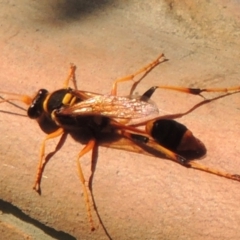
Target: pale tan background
x=138, y=197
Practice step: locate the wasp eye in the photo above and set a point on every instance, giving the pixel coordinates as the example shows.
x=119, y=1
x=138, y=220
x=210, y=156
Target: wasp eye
x=36, y=108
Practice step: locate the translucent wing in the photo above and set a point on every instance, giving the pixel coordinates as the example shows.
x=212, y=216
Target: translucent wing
x=120, y=108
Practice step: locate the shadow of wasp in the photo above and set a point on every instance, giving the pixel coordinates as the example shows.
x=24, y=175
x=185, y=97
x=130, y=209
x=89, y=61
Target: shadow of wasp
x=130, y=123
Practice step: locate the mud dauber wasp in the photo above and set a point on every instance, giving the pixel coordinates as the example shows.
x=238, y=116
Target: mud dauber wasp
x=115, y=121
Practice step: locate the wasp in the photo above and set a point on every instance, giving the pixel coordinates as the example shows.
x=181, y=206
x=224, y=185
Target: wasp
x=130, y=123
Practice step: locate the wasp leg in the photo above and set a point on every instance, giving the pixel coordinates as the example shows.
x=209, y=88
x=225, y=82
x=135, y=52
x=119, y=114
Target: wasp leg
x=177, y=137
x=178, y=158
x=217, y=172
x=146, y=140
x=85, y=150
x=142, y=70
x=198, y=91
x=41, y=164
x=194, y=91
x=143, y=137
x=70, y=76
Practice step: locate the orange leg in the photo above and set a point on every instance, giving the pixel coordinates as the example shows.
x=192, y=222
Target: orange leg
x=141, y=136
x=191, y=164
x=70, y=76
x=217, y=172
x=85, y=150
x=28, y=100
x=55, y=134
x=148, y=141
x=198, y=91
x=145, y=69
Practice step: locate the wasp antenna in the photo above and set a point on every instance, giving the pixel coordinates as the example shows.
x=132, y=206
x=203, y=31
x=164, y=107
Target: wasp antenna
x=17, y=97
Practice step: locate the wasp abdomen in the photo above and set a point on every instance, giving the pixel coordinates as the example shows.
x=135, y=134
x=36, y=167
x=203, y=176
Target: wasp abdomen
x=174, y=136
x=166, y=132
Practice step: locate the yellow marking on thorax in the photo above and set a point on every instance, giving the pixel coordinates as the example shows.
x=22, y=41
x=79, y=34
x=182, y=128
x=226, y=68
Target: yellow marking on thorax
x=45, y=103
x=69, y=99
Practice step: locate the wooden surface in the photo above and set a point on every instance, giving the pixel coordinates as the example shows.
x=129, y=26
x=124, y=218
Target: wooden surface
x=137, y=196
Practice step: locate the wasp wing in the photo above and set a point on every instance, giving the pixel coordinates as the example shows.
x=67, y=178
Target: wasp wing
x=120, y=108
